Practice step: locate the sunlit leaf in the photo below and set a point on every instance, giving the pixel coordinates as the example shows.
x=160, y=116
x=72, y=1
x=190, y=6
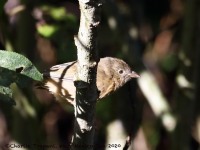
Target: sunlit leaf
x=15, y=68
x=19, y=65
x=58, y=13
x=47, y=30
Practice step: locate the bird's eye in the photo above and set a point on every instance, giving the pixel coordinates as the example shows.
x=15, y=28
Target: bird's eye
x=121, y=71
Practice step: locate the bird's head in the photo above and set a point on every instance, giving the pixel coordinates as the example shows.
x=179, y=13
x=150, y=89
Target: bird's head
x=118, y=70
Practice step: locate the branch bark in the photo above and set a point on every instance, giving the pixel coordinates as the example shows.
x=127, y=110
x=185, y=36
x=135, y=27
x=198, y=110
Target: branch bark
x=85, y=82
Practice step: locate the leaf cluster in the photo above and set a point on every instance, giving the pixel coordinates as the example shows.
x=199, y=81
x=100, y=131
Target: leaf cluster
x=15, y=68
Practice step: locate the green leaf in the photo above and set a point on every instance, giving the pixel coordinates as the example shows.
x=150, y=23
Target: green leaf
x=15, y=68
x=47, y=30
x=58, y=13
x=6, y=95
x=7, y=77
x=20, y=65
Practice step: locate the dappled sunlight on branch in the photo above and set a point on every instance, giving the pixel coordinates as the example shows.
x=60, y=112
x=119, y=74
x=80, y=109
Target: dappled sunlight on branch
x=156, y=99
x=116, y=135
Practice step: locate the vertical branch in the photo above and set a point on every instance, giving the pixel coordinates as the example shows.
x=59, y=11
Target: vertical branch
x=85, y=82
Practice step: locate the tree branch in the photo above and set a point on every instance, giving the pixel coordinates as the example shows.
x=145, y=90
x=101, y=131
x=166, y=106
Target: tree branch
x=85, y=82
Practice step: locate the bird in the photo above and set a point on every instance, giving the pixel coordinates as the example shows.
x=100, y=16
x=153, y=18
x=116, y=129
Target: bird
x=112, y=73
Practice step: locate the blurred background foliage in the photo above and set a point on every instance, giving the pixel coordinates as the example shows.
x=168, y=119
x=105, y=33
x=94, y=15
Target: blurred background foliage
x=158, y=38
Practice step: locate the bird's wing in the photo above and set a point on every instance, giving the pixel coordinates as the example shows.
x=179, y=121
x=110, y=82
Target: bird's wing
x=107, y=91
x=62, y=71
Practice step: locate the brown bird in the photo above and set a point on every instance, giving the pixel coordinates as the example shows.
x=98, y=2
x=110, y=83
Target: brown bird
x=112, y=73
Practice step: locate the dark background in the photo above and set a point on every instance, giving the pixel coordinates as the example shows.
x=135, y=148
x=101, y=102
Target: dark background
x=159, y=39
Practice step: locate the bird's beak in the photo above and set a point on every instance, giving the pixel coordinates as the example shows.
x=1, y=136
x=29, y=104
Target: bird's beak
x=134, y=75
